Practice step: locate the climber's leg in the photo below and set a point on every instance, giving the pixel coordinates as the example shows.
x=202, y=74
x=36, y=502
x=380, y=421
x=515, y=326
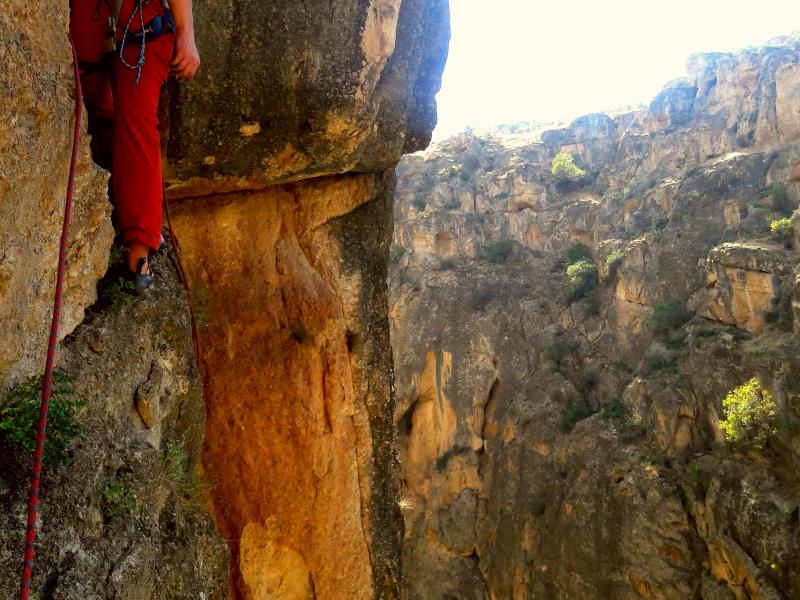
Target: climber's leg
x=137, y=148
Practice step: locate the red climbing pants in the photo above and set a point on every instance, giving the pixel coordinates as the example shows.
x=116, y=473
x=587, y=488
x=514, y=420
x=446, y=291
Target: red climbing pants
x=110, y=93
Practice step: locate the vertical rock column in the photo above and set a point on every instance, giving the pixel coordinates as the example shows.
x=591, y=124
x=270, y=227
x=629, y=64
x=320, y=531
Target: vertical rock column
x=289, y=289
x=289, y=279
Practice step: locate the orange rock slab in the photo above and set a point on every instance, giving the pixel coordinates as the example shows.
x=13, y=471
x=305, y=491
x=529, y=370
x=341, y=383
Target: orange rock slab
x=288, y=446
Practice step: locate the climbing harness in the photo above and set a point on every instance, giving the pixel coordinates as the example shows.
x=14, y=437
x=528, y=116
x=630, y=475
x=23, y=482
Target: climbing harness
x=47, y=382
x=147, y=32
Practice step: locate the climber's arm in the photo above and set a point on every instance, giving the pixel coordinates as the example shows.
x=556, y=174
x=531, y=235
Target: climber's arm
x=185, y=59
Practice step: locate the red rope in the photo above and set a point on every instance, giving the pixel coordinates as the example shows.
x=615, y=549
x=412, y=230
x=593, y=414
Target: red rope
x=179, y=264
x=33, y=501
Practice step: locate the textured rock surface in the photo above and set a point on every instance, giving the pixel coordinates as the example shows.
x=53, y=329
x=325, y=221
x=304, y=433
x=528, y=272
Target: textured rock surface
x=571, y=449
x=152, y=539
x=291, y=91
x=35, y=137
x=290, y=287
x=295, y=356
x=290, y=279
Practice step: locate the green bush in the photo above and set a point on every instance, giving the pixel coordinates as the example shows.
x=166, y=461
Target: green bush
x=578, y=251
x=119, y=498
x=693, y=170
x=782, y=229
x=668, y=315
x=119, y=293
x=750, y=414
x=660, y=226
x=582, y=277
x=612, y=410
x=499, y=251
x=19, y=415
x=613, y=260
x=577, y=411
x=178, y=475
x=564, y=168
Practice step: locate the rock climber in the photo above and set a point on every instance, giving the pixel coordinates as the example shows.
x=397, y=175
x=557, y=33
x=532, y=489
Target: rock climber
x=126, y=49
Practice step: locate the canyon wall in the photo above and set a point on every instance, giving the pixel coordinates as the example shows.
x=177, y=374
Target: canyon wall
x=560, y=427
x=279, y=162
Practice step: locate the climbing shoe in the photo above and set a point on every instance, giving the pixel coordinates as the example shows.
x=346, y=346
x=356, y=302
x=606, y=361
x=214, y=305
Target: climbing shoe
x=142, y=279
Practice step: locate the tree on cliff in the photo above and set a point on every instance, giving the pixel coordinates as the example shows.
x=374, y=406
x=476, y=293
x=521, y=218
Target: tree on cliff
x=564, y=168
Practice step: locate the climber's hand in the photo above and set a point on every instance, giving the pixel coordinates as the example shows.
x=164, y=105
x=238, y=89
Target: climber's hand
x=185, y=59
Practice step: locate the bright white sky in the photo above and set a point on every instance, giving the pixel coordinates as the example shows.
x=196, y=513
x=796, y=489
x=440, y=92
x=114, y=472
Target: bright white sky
x=547, y=60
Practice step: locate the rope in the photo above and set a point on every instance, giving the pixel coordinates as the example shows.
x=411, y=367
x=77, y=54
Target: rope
x=47, y=382
x=140, y=61
x=182, y=274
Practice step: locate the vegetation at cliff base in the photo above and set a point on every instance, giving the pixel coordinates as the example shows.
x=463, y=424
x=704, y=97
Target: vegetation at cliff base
x=564, y=168
x=19, y=415
x=750, y=414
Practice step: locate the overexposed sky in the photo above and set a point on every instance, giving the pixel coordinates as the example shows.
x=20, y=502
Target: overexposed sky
x=547, y=60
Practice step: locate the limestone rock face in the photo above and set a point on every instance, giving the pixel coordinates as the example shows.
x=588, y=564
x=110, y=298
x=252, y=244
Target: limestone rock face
x=289, y=292
x=289, y=91
x=564, y=445
x=36, y=125
x=124, y=518
x=289, y=279
x=294, y=338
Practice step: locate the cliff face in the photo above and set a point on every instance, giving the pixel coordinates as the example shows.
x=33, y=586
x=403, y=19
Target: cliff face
x=279, y=160
x=560, y=429
x=290, y=278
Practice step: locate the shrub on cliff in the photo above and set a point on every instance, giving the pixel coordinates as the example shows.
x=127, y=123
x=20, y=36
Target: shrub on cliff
x=564, y=168
x=668, y=315
x=419, y=203
x=577, y=411
x=19, y=414
x=578, y=251
x=613, y=260
x=499, y=251
x=782, y=230
x=750, y=414
x=582, y=277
